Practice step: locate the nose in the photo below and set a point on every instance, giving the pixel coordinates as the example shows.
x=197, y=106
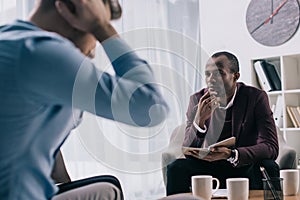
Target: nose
x=211, y=78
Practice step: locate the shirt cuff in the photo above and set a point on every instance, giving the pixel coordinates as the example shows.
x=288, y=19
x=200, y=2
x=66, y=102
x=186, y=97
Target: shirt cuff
x=115, y=47
x=234, y=160
x=198, y=127
x=196, y=119
x=236, y=156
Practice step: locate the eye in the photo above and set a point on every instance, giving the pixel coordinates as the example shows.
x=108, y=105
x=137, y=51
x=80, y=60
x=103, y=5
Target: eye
x=221, y=72
x=217, y=73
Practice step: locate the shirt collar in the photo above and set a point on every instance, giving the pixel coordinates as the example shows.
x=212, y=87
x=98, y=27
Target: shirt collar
x=230, y=102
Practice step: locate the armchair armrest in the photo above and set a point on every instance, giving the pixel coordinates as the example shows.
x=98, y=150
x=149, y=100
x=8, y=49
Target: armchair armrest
x=59, y=172
x=287, y=158
x=174, y=150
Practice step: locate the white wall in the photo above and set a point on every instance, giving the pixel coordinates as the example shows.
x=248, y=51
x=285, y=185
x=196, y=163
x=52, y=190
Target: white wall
x=223, y=27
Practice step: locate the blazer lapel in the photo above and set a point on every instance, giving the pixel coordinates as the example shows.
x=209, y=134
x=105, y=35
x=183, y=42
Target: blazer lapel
x=239, y=112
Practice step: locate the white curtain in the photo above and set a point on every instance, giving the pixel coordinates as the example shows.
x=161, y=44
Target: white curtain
x=12, y=9
x=167, y=34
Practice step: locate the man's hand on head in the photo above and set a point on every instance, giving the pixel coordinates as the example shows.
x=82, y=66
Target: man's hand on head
x=91, y=16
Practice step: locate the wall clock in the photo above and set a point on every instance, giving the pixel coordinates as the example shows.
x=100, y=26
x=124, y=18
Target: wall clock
x=272, y=22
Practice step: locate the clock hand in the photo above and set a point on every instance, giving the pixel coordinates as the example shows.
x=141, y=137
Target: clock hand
x=276, y=11
x=260, y=25
x=272, y=9
x=270, y=17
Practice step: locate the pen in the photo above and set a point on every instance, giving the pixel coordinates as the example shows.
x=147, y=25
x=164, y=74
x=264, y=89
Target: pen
x=266, y=176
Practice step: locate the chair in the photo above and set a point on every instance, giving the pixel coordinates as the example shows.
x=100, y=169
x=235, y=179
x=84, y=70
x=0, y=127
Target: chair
x=287, y=158
x=59, y=172
x=61, y=177
x=174, y=150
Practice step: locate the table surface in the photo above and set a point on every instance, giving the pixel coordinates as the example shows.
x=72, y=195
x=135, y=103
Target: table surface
x=253, y=195
x=259, y=195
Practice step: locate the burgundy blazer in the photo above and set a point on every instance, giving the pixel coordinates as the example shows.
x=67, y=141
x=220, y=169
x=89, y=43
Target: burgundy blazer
x=252, y=125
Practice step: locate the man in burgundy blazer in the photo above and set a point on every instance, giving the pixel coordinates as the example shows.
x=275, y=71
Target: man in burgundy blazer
x=226, y=108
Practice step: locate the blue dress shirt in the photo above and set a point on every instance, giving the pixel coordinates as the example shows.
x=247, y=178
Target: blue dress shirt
x=45, y=84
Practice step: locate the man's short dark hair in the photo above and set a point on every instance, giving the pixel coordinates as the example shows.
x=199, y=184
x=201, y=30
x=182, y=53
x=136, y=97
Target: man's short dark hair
x=232, y=58
x=50, y=4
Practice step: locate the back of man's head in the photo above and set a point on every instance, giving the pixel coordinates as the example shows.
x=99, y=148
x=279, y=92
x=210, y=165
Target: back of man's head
x=115, y=8
x=47, y=5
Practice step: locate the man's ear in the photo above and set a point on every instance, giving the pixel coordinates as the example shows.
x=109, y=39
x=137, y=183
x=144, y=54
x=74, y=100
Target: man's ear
x=236, y=76
x=70, y=5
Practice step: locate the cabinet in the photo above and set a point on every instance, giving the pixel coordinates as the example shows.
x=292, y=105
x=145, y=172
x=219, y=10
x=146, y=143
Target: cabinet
x=288, y=67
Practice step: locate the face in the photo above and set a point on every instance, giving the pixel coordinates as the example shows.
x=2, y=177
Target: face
x=219, y=78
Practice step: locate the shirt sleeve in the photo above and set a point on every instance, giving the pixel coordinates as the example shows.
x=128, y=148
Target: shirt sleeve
x=54, y=72
x=196, y=120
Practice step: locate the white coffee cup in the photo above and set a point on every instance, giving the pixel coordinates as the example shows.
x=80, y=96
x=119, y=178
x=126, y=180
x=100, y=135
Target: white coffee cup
x=290, y=181
x=202, y=186
x=237, y=188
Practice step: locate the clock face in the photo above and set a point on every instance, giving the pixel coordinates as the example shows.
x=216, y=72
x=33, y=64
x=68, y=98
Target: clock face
x=272, y=22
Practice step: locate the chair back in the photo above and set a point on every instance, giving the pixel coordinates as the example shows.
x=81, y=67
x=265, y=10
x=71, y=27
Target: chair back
x=287, y=157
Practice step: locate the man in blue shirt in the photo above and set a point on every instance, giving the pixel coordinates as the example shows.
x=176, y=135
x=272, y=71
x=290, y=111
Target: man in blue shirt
x=46, y=82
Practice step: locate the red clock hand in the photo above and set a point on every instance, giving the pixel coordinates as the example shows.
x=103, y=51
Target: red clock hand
x=275, y=11
x=270, y=17
x=272, y=8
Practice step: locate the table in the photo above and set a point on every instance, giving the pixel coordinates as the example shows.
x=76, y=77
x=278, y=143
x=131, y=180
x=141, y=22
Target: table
x=254, y=195
x=259, y=195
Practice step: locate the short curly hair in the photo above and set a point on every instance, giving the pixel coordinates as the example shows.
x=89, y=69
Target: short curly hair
x=232, y=58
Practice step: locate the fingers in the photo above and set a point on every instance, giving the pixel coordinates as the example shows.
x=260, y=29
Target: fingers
x=217, y=153
x=211, y=103
x=209, y=157
x=218, y=149
x=192, y=153
x=206, y=95
x=195, y=154
x=89, y=16
x=212, y=92
x=209, y=93
x=65, y=12
x=210, y=99
x=206, y=106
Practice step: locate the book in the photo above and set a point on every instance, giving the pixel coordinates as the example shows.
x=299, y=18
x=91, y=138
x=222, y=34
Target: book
x=273, y=108
x=292, y=117
x=298, y=112
x=298, y=109
x=202, y=152
x=296, y=115
x=220, y=193
x=278, y=111
x=262, y=78
x=271, y=74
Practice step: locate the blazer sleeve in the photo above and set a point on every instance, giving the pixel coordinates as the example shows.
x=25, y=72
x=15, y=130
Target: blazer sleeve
x=266, y=144
x=192, y=135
